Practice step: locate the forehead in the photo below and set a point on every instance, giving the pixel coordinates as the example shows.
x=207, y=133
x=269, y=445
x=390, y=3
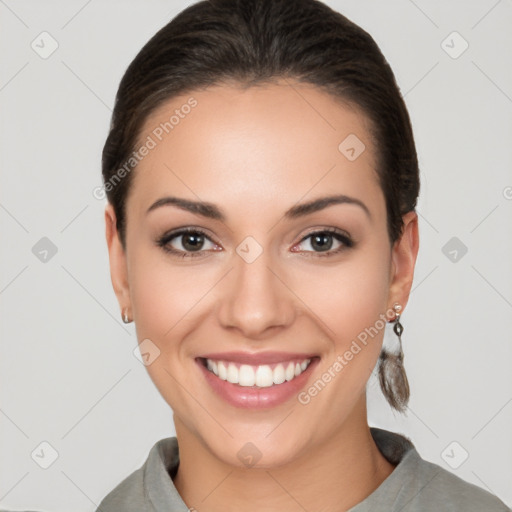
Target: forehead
x=262, y=144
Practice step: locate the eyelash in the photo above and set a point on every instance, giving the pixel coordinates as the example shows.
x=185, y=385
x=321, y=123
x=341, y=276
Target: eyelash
x=164, y=241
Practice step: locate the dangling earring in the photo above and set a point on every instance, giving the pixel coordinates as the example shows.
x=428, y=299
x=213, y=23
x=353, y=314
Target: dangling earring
x=126, y=320
x=392, y=377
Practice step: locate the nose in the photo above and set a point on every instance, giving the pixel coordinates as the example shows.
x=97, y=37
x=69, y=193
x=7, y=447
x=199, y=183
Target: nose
x=256, y=299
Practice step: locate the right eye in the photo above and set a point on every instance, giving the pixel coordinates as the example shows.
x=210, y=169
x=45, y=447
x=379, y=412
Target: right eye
x=185, y=243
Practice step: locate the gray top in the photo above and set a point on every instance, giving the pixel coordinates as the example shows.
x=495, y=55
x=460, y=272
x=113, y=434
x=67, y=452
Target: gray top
x=414, y=485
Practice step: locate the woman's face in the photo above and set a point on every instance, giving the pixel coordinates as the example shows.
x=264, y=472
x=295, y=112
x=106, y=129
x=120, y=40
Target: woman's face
x=259, y=283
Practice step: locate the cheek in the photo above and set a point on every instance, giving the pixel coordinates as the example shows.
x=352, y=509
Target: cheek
x=358, y=301
x=350, y=296
x=164, y=295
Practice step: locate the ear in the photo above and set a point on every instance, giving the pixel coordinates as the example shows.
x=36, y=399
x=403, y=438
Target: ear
x=403, y=261
x=117, y=257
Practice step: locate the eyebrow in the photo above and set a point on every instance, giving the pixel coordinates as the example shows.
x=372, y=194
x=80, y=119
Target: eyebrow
x=211, y=211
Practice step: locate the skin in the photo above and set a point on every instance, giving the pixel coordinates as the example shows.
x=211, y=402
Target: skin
x=255, y=153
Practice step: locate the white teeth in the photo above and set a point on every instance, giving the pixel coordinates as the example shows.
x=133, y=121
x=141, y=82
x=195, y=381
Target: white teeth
x=246, y=375
x=212, y=366
x=279, y=376
x=260, y=376
x=223, y=372
x=290, y=371
x=264, y=376
x=232, y=375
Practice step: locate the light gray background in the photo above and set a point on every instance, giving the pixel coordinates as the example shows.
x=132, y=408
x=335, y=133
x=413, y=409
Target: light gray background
x=67, y=369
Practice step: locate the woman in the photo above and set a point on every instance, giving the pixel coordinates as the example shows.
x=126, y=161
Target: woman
x=262, y=180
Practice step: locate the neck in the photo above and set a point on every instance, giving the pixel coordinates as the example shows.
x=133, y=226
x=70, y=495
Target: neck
x=333, y=476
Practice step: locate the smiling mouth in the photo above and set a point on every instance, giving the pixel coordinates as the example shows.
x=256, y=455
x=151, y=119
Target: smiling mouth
x=257, y=376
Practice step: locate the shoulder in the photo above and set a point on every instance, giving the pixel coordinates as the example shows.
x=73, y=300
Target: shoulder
x=127, y=495
x=144, y=489
x=416, y=485
x=432, y=487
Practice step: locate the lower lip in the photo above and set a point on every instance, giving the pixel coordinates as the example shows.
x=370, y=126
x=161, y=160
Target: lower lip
x=257, y=398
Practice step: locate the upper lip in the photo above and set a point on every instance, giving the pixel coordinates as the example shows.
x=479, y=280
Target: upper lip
x=257, y=358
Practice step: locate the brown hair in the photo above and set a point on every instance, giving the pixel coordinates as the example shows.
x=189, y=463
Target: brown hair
x=253, y=42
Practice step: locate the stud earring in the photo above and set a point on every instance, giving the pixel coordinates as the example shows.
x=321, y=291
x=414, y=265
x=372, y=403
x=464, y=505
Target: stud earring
x=392, y=376
x=126, y=320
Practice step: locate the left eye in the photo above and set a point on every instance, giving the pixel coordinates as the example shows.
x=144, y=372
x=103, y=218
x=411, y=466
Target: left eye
x=322, y=241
